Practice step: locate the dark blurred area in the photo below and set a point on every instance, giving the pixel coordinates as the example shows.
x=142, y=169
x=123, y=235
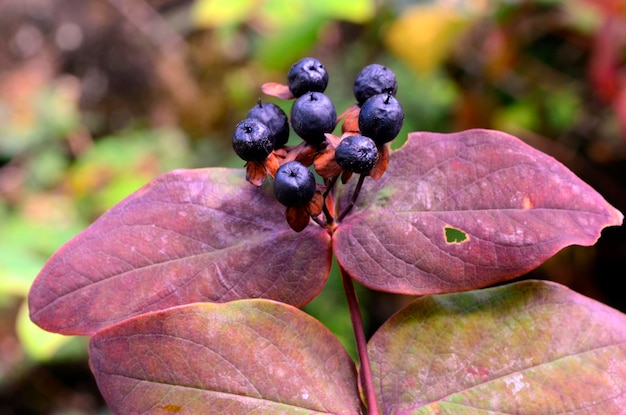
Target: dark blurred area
x=97, y=97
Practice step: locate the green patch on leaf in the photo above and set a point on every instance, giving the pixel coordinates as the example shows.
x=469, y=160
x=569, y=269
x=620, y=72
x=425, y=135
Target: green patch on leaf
x=454, y=235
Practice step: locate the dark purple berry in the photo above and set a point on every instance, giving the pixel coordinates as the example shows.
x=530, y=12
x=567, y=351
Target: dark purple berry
x=252, y=140
x=381, y=118
x=313, y=115
x=357, y=154
x=374, y=79
x=274, y=118
x=307, y=75
x=294, y=184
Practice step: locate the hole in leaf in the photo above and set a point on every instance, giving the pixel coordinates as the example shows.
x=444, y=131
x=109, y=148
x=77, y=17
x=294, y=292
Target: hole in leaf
x=527, y=203
x=454, y=235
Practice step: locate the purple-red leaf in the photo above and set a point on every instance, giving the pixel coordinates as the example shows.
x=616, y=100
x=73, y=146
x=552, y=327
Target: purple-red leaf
x=243, y=357
x=460, y=211
x=527, y=348
x=188, y=236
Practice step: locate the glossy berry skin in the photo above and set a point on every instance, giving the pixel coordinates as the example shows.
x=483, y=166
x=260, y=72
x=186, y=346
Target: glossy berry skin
x=274, y=118
x=374, y=79
x=313, y=115
x=252, y=140
x=357, y=154
x=381, y=118
x=307, y=75
x=294, y=184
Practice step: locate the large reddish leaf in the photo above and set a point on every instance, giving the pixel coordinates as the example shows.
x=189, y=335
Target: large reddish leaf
x=460, y=211
x=243, y=357
x=188, y=236
x=527, y=348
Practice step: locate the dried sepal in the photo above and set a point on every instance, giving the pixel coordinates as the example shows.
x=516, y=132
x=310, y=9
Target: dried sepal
x=277, y=90
x=298, y=217
x=316, y=204
x=350, y=119
x=303, y=153
x=330, y=204
x=307, y=154
x=281, y=152
x=332, y=141
x=272, y=163
x=256, y=172
x=381, y=165
x=325, y=164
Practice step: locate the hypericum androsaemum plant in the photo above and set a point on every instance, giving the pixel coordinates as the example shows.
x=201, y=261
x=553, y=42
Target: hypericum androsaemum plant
x=190, y=287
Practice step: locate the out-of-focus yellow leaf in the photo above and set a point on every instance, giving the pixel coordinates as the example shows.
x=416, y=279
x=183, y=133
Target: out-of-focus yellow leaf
x=38, y=344
x=357, y=11
x=214, y=13
x=104, y=175
x=423, y=35
x=277, y=14
x=16, y=272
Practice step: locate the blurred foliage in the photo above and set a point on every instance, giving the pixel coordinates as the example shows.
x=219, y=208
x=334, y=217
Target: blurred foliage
x=424, y=35
x=97, y=98
x=289, y=28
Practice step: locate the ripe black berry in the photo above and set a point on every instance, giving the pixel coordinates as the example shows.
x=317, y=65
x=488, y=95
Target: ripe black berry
x=381, y=118
x=374, y=79
x=313, y=115
x=307, y=75
x=357, y=154
x=274, y=118
x=294, y=184
x=252, y=140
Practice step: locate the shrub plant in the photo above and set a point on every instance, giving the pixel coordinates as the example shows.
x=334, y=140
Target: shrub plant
x=191, y=287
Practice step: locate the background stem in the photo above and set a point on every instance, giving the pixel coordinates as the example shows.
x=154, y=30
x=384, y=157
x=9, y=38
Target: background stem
x=361, y=343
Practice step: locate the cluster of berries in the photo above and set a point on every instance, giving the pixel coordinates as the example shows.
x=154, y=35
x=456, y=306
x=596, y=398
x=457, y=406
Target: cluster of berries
x=368, y=126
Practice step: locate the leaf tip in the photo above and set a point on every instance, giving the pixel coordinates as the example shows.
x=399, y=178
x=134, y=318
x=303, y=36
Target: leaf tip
x=617, y=217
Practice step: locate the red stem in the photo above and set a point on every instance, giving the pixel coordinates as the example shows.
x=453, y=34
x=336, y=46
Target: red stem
x=361, y=343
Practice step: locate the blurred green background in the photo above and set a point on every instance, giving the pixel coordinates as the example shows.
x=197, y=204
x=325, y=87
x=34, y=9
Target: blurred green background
x=97, y=97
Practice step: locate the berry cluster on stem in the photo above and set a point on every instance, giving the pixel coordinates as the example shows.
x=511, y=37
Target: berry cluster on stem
x=367, y=128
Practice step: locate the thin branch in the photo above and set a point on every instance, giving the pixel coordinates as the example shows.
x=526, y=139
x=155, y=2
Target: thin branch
x=361, y=343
